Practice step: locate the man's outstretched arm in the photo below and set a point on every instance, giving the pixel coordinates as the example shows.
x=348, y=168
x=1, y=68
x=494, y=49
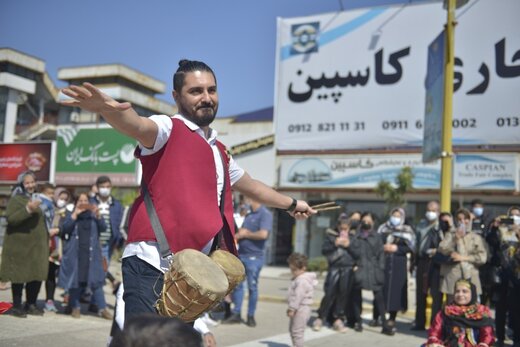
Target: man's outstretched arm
x=121, y=116
x=270, y=197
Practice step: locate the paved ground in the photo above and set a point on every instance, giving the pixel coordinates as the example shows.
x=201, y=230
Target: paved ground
x=59, y=330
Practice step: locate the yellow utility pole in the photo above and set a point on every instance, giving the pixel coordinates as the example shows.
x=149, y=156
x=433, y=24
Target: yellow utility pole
x=447, y=154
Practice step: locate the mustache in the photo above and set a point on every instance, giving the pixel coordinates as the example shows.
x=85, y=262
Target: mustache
x=206, y=105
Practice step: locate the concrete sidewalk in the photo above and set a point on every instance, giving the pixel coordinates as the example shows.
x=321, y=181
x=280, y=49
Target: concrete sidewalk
x=58, y=329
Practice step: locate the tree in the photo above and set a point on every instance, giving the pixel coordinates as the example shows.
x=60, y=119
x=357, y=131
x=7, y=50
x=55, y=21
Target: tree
x=394, y=194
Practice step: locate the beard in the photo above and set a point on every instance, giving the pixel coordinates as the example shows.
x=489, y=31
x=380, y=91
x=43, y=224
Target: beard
x=202, y=116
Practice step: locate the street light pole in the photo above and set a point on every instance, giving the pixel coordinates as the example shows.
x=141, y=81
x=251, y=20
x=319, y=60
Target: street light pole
x=447, y=154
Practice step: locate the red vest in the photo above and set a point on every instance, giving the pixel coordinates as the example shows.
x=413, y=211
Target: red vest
x=181, y=179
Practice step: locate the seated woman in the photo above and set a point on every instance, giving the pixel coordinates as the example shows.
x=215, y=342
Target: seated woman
x=464, y=322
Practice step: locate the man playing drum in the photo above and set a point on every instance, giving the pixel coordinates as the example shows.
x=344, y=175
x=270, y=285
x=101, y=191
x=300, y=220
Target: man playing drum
x=186, y=171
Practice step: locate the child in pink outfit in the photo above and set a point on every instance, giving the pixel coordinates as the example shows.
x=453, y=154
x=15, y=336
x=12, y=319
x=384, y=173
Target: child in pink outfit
x=301, y=294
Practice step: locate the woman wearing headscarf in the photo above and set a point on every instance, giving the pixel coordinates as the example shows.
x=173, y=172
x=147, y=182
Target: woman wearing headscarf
x=464, y=322
x=82, y=264
x=367, y=250
x=399, y=240
x=26, y=246
x=467, y=251
x=339, y=276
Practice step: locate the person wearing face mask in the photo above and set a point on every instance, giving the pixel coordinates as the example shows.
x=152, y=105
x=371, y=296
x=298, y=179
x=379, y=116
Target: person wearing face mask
x=504, y=242
x=25, y=249
x=399, y=240
x=61, y=200
x=481, y=219
x=367, y=250
x=111, y=210
x=426, y=229
x=467, y=251
x=434, y=238
x=82, y=261
x=338, y=284
x=481, y=222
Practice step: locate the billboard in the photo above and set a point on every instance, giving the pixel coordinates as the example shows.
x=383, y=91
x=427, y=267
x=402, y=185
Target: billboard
x=16, y=158
x=86, y=153
x=471, y=171
x=356, y=79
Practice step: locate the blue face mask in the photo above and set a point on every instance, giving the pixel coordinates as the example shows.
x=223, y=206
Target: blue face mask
x=395, y=221
x=478, y=211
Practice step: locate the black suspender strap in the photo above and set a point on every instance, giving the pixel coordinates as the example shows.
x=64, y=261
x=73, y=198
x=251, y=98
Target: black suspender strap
x=158, y=230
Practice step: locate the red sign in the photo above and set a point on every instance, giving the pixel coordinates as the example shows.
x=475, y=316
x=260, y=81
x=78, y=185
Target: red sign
x=16, y=158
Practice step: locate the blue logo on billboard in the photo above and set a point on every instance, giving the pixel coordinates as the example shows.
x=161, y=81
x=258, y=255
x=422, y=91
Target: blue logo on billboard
x=304, y=38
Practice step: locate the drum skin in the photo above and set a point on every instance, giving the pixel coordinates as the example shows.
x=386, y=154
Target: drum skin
x=232, y=267
x=192, y=286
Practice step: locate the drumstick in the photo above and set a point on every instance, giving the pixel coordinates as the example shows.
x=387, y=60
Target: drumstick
x=323, y=205
x=327, y=208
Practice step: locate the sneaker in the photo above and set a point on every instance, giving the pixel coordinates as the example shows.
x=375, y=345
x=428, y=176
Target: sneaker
x=105, y=314
x=339, y=326
x=317, y=324
x=75, y=312
x=18, y=311
x=34, y=310
x=251, y=321
x=209, y=322
x=233, y=319
x=50, y=307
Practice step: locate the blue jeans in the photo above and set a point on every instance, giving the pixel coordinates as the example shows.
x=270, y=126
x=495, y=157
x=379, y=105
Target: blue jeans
x=98, y=297
x=253, y=266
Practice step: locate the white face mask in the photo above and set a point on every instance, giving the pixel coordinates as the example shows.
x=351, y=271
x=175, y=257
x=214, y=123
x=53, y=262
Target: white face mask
x=61, y=203
x=104, y=191
x=478, y=211
x=516, y=220
x=431, y=216
x=395, y=221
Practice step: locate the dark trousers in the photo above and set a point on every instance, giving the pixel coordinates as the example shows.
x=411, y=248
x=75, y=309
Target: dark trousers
x=337, y=294
x=379, y=305
x=50, y=283
x=31, y=292
x=143, y=284
x=420, y=293
x=508, y=303
x=435, y=282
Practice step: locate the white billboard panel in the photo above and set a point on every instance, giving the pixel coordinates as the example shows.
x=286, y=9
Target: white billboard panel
x=356, y=79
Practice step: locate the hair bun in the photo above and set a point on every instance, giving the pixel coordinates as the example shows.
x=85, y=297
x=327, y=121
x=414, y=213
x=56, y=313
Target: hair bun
x=183, y=62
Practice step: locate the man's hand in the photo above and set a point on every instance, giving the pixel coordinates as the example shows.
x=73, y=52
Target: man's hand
x=241, y=234
x=457, y=257
x=209, y=340
x=290, y=313
x=390, y=248
x=92, y=99
x=302, y=210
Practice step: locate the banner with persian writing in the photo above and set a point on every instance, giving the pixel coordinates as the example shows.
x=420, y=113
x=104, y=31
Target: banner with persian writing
x=83, y=154
x=356, y=79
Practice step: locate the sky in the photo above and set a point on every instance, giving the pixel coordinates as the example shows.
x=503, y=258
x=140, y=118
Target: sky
x=237, y=39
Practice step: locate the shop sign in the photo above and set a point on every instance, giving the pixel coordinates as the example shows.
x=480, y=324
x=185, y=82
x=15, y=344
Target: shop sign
x=16, y=158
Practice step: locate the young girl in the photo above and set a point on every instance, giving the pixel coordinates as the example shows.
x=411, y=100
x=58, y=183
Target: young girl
x=464, y=322
x=301, y=294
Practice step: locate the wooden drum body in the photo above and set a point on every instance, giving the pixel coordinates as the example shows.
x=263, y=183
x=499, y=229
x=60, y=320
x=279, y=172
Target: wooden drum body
x=232, y=267
x=192, y=286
